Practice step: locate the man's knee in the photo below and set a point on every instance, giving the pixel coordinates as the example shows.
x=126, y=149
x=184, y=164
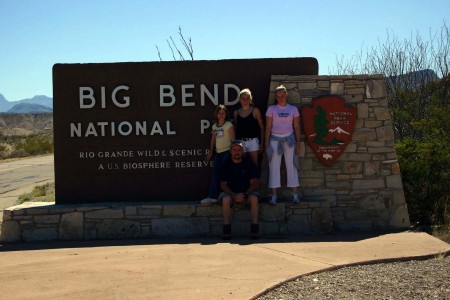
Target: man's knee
x=225, y=199
x=253, y=199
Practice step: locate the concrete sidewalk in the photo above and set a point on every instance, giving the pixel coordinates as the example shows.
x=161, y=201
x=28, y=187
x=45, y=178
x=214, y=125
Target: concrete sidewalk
x=189, y=268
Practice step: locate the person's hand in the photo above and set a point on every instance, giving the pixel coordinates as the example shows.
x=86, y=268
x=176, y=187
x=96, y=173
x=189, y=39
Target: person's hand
x=208, y=157
x=239, y=198
x=298, y=148
x=261, y=148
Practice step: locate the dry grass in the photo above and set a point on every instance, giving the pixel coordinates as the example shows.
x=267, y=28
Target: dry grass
x=40, y=193
x=442, y=232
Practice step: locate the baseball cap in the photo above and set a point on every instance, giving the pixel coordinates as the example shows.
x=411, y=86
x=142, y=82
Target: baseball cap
x=236, y=142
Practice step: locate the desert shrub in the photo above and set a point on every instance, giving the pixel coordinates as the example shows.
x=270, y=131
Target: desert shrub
x=424, y=156
x=40, y=193
x=12, y=146
x=426, y=178
x=35, y=145
x=41, y=190
x=17, y=153
x=3, y=151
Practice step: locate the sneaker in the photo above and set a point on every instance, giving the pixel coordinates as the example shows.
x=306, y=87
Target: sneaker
x=207, y=201
x=296, y=198
x=273, y=200
x=226, y=235
x=254, y=230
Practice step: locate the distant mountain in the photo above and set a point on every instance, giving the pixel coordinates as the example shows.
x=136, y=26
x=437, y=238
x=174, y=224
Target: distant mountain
x=6, y=106
x=41, y=100
x=412, y=80
x=29, y=108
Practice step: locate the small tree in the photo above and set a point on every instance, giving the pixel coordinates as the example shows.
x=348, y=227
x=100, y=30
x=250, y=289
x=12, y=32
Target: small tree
x=175, y=49
x=407, y=65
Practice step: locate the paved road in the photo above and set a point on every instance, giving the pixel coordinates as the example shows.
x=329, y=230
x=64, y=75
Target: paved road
x=18, y=177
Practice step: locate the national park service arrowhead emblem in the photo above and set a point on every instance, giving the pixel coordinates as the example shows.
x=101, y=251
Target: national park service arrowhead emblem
x=328, y=125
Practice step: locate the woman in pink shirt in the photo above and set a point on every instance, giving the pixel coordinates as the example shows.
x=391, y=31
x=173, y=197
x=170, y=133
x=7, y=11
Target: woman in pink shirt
x=282, y=138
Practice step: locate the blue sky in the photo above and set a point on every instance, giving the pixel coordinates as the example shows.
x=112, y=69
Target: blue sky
x=35, y=34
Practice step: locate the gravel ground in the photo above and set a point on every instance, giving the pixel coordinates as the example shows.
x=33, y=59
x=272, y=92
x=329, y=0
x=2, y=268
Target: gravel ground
x=424, y=279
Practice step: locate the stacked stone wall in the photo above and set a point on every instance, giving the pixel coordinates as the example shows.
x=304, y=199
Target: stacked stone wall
x=364, y=187
x=39, y=221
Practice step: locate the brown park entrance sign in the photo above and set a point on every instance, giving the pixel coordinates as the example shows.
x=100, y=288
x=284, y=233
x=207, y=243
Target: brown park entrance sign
x=328, y=125
x=140, y=131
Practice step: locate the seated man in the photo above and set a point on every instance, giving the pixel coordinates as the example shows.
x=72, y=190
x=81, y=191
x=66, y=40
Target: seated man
x=239, y=183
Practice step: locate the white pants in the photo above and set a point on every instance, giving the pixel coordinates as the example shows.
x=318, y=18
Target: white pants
x=275, y=164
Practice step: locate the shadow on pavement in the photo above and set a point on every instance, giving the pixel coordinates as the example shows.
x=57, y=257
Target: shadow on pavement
x=340, y=237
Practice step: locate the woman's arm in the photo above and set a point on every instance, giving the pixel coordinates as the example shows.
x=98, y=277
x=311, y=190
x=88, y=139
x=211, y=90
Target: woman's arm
x=235, y=113
x=297, y=134
x=268, y=130
x=212, y=145
x=257, y=115
x=231, y=133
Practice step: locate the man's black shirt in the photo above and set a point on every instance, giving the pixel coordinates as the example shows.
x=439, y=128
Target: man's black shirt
x=238, y=175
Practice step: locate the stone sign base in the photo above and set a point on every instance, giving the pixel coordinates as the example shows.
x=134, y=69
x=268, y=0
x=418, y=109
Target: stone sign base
x=48, y=222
